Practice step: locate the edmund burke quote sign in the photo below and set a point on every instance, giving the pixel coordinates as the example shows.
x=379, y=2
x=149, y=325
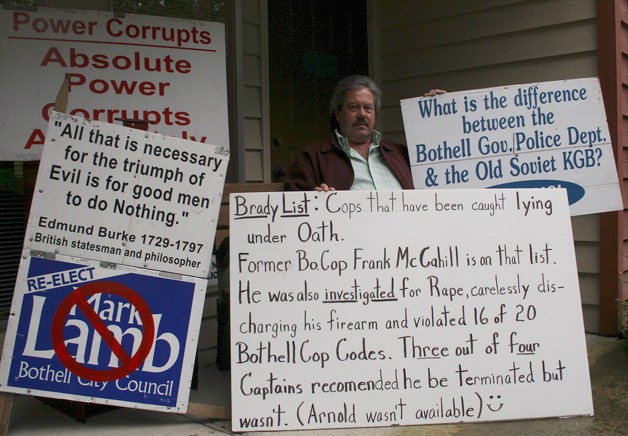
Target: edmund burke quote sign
x=383, y=308
x=126, y=196
x=109, y=297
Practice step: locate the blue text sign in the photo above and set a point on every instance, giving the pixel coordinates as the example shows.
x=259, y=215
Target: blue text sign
x=542, y=135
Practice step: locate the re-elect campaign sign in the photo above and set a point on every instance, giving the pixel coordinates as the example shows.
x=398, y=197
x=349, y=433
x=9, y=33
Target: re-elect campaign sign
x=386, y=308
x=169, y=72
x=110, y=291
x=126, y=196
x=542, y=135
x=82, y=332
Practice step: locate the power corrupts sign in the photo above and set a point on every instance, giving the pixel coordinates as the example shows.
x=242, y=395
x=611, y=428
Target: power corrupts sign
x=85, y=333
x=169, y=72
x=539, y=135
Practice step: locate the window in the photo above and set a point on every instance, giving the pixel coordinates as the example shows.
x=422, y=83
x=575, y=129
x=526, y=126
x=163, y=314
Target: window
x=12, y=229
x=204, y=10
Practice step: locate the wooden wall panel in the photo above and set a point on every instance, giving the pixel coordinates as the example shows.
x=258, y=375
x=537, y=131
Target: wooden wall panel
x=586, y=228
x=623, y=135
x=591, y=316
x=541, y=43
x=252, y=70
x=472, y=19
x=253, y=98
x=588, y=257
x=557, y=68
x=252, y=133
x=589, y=285
x=255, y=110
x=473, y=44
x=252, y=41
x=254, y=160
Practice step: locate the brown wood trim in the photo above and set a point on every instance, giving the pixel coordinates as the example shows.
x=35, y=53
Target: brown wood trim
x=206, y=412
x=6, y=405
x=231, y=188
x=611, y=223
x=222, y=226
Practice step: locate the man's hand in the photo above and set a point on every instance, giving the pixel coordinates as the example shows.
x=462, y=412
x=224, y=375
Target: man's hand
x=433, y=92
x=324, y=188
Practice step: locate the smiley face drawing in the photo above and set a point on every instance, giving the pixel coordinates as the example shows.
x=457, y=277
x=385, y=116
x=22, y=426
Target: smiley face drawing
x=493, y=407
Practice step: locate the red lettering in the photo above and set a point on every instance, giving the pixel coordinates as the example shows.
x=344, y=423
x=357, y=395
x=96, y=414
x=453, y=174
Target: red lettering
x=53, y=55
x=41, y=25
x=102, y=86
x=186, y=135
x=76, y=80
x=166, y=116
x=20, y=18
x=100, y=61
x=45, y=111
x=78, y=60
x=36, y=138
x=124, y=87
x=60, y=25
x=110, y=24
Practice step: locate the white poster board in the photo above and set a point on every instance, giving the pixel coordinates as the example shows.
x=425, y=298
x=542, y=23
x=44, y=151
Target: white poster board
x=169, y=72
x=551, y=134
x=127, y=196
x=383, y=308
x=112, y=280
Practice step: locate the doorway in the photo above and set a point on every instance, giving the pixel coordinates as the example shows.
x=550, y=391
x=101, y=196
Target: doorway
x=312, y=45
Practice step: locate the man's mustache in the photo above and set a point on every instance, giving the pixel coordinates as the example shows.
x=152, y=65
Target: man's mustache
x=361, y=122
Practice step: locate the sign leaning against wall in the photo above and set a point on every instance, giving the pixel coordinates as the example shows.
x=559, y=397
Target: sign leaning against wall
x=109, y=295
x=170, y=72
x=538, y=135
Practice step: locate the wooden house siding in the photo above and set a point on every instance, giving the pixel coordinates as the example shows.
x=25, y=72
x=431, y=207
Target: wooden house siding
x=612, y=72
x=623, y=135
x=256, y=126
x=473, y=44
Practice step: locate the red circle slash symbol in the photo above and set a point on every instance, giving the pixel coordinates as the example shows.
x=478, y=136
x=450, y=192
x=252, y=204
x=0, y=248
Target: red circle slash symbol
x=79, y=297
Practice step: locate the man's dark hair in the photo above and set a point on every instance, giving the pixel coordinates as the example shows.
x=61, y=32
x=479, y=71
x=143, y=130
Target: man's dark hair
x=351, y=83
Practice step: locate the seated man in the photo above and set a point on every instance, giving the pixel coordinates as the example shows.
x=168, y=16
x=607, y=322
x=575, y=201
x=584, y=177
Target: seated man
x=354, y=156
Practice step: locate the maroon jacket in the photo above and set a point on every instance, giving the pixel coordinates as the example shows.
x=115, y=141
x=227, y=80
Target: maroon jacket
x=324, y=161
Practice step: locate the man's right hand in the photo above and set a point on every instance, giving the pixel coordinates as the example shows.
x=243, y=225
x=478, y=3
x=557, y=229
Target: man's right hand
x=324, y=188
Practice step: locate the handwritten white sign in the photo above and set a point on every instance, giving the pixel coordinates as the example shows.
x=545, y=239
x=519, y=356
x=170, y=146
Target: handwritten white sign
x=551, y=134
x=382, y=308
